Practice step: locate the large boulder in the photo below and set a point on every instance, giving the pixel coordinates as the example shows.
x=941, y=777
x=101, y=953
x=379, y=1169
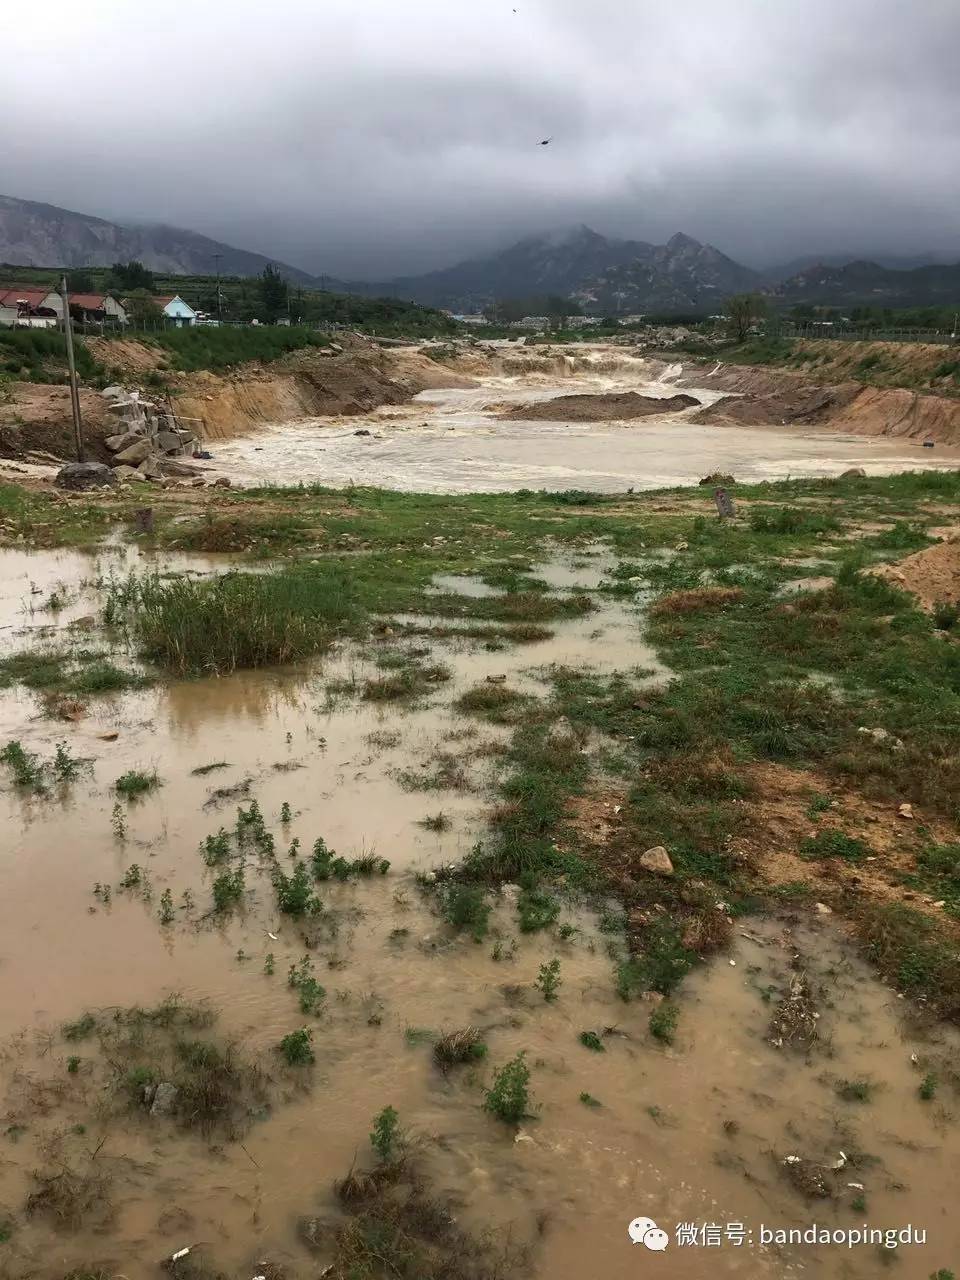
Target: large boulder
x=84, y=475
x=122, y=441
x=173, y=467
x=169, y=441
x=129, y=473
x=134, y=453
x=150, y=467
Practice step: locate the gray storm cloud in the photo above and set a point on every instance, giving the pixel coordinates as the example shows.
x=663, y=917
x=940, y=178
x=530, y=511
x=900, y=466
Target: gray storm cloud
x=392, y=136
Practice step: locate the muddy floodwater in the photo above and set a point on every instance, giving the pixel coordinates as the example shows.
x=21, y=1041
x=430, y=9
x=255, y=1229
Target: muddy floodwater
x=451, y=441
x=700, y=1132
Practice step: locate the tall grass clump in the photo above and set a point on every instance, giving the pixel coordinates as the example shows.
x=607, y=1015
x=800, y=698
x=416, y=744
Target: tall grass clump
x=235, y=621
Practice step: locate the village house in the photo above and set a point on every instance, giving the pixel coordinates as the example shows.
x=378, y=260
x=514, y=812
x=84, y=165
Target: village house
x=26, y=306
x=174, y=308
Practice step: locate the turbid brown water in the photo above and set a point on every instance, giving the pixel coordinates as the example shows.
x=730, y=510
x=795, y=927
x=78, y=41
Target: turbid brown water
x=695, y=1133
x=453, y=441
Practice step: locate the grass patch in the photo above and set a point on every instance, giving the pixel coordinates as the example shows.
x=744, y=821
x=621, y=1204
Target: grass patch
x=834, y=844
x=591, y=1040
x=854, y=1090
x=136, y=782
x=496, y=703
x=465, y=907
x=212, y=627
x=663, y=1022
x=465, y=1045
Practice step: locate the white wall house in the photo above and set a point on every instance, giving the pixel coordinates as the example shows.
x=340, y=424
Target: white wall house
x=175, y=309
x=87, y=306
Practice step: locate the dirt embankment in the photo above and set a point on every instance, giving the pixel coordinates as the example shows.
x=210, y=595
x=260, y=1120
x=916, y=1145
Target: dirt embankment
x=932, y=575
x=782, y=397
x=37, y=418
x=597, y=408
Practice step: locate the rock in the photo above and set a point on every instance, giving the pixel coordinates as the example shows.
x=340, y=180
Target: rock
x=510, y=894
x=134, y=453
x=112, y=392
x=222, y=482
x=128, y=473
x=725, y=505
x=657, y=860
x=852, y=472
x=169, y=441
x=822, y=909
x=880, y=735
x=165, y=1099
x=172, y=467
x=905, y=810
x=150, y=467
x=362, y=432
x=84, y=475
x=651, y=997
x=123, y=440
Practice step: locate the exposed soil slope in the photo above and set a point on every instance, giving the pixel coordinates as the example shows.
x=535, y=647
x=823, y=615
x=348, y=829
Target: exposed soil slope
x=782, y=397
x=597, y=408
x=932, y=575
x=305, y=383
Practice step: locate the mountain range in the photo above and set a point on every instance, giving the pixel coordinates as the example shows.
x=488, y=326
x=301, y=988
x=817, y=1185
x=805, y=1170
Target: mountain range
x=43, y=235
x=601, y=274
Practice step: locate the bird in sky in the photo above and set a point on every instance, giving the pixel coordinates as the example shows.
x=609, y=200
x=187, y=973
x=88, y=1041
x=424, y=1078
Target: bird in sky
x=545, y=141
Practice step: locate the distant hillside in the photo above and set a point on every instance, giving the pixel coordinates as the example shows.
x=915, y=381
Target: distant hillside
x=681, y=275
x=601, y=273
x=556, y=263
x=871, y=284
x=42, y=235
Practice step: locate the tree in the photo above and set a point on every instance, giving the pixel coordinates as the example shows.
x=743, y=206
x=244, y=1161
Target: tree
x=142, y=308
x=80, y=282
x=127, y=276
x=743, y=311
x=274, y=292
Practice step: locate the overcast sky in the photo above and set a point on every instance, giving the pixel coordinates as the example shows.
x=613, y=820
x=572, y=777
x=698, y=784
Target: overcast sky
x=379, y=137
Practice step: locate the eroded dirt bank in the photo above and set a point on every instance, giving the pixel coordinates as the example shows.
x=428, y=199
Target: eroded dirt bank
x=784, y=398
x=36, y=419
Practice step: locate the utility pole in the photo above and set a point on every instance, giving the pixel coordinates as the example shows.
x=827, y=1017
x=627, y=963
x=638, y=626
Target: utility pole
x=216, y=258
x=71, y=365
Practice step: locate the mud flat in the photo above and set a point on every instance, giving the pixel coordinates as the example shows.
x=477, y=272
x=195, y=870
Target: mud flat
x=440, y=820
x=462, y=441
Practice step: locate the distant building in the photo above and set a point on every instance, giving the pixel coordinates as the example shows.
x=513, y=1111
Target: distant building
x=27, y=306
x=468, y=319
x=174, y=308
x=90, y=308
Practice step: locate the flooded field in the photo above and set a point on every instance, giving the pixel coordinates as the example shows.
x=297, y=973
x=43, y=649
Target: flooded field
x=450, y=441
x=716, y=1126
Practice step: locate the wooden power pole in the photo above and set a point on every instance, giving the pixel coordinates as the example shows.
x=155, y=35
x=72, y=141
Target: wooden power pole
x=71, y=365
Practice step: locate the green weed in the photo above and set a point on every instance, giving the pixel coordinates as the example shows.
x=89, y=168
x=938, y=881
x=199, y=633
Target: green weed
x=296, y=1048
x=548, y=980
x=465, y=906
x=228, y=889
x=663, y=1022
x=136, y=782
x=854, y=1090
x=309, y=990
x=591, y=1040
x=385, y=1134
x=508, y=1097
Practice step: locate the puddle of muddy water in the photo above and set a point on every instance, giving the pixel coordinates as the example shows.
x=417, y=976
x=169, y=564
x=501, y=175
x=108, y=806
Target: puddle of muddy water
x=694, y=1132
x=450, y=441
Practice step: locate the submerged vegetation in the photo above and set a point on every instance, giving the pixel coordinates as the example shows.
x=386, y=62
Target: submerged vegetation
x=630, y=815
